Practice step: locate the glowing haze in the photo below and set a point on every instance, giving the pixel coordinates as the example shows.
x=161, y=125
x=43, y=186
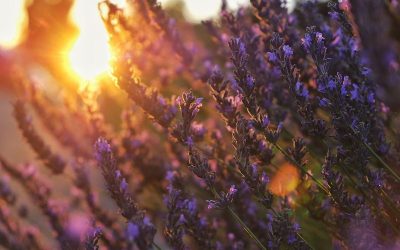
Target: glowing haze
x=90, y=55
x=12, y=20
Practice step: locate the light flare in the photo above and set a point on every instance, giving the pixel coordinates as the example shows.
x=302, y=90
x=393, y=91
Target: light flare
x=90, y=54
x=285, y=180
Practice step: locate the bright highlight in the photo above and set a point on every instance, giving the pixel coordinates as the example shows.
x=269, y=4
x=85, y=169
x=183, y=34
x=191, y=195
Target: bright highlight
x=197, y=11
x=12, y=21
x=285, y=180
x=90, y=54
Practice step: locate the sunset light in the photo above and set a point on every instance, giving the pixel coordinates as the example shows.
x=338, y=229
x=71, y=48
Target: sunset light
x=12, y=20
x=90, y=54
x=199, y=124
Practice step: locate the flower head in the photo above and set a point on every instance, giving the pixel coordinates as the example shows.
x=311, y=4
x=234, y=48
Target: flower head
x=287, y=51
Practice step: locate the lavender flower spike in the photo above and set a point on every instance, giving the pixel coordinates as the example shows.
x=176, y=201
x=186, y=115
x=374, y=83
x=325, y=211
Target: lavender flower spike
x=139, y=229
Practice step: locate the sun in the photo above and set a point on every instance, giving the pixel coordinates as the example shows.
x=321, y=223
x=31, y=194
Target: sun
x=90, y=54
x=12, y=22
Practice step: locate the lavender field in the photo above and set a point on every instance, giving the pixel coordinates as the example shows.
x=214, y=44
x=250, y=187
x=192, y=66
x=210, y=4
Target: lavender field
x=133, y=125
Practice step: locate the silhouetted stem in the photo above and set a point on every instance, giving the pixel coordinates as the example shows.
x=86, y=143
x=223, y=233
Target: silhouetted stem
x=372, y=151
x=156, y=246
x=244, y=226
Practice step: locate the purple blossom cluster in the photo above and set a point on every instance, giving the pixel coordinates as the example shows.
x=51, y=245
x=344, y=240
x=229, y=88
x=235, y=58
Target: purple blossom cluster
x=210, y=115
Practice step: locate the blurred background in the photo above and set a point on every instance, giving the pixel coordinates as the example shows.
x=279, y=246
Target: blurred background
x=65, y=41
x=63, y=44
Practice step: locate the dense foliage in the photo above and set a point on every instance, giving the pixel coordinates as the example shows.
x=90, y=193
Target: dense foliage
x=210, y=116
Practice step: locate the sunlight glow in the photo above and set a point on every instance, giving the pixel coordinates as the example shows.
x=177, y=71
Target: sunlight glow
x=197, y=11
x=90, y=54
x=200, y=10
x=285, y=180
x=12, y=21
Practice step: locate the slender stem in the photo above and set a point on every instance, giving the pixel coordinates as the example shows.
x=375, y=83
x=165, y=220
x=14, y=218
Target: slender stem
x=248, y=230
x=294, y=162
x=298, y=234
x=368, y=198
x=156, y=246
x=244, y=226
x=385, y=197
x=389, y=202
x=275, y=213
x=302, y=238
x=397, y=177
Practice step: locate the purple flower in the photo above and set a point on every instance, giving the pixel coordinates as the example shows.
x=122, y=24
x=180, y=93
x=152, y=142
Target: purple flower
x=170, y=176
x=334, y=15
x=189, y=141
x=272, y=57
x=264, y=178
x=296, y=227
x=307, y=40
x=103, y=148
x=250, y=82
x=324, y=102
x=354, y=94
x=287, y=51
x=319, y=37
x=124, y=185
x=291, y=239
x=118, y=174
x=182, y=220
x=192, y=206
x=198, y=129
x=132, y=231
x=224, y=200
x=232, y=191
x=345, y=85
x=265, y=121
x=331, y=84
x=371, y=98
x=212, y=204
x=301, y=90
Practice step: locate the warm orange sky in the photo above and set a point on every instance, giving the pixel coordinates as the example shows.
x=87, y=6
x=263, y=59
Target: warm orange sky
x=12, y=15
x=11, y=18
x=85, y=58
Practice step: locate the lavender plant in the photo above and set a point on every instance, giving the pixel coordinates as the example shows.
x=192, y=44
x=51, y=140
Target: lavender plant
x=259, y=129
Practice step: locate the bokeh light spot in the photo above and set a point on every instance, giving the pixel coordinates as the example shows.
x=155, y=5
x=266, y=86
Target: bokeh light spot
x=285, y=180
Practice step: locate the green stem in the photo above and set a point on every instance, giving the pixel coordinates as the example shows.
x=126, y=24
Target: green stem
x=298, y=234
x=366, y=196
x=385, y=197
x=397, y=177
x=248, y=230
x=244, y=226
x=275, y=213
x=156, y=246
x=253, y=117
x=389, y=202
x=372, y=151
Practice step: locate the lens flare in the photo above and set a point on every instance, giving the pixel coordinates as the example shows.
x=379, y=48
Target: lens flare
x=90, y=54
x=12, y=21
